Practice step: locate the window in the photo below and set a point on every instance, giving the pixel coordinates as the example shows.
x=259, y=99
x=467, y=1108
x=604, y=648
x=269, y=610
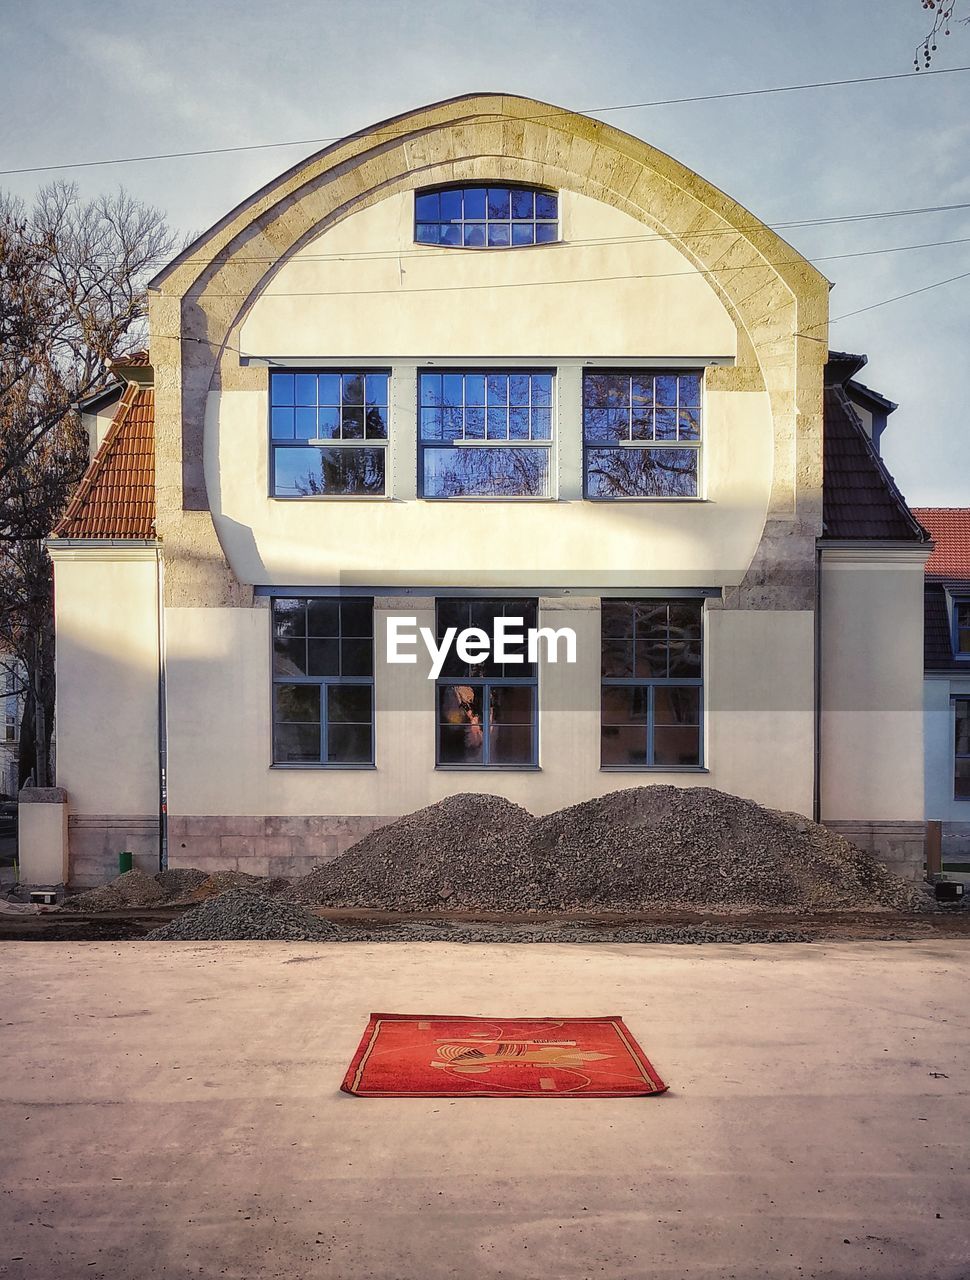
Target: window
x=323, y=681
x=485, y=434
x=486, y=217
x=642, y=434
x=652, y=686
x=961, y=768
x=486, y=711
x=328, y=433
x=961, y=628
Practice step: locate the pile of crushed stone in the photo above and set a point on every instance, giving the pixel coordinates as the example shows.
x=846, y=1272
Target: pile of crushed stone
x=242, y=914
x=642, y=847
x=175, y=887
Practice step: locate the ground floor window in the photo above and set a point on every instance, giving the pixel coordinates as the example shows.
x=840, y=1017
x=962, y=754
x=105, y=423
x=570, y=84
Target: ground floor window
x=323, y=681
x=486, y=712
x=961, y=769
x=652, y=688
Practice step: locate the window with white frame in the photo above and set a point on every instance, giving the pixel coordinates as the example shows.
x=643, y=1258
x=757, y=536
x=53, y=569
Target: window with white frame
x=961, y=748
x=652, y=684
x=642, y=433
x=323, y=681
x=328, y=433
x=485, y=433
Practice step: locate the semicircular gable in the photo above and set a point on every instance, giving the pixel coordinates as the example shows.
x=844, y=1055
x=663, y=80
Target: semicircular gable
x=776, y=299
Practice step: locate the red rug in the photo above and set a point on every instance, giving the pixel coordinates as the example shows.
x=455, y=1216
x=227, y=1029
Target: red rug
x=416, y=1056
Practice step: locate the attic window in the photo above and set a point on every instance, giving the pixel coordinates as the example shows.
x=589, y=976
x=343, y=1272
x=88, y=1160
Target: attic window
x=961, y=628
x=486, y=217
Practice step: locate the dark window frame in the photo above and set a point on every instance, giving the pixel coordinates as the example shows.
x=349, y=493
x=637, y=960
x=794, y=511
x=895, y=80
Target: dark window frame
x=446, y=231
x=341, y=443
x=645, y=444
x=960, y=603
x=960, y=757
x=476, y=443
x=486, y=682
x=324, y=683
x=649, y=685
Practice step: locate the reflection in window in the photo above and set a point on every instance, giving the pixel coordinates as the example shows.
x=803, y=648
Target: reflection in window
x=486, y=711
x=651, y=684
x=961, y=779
x=485, y=434
x=323, y=681
x=328, y=433
x=961, y=628
x=486, y=217
x=642, y=434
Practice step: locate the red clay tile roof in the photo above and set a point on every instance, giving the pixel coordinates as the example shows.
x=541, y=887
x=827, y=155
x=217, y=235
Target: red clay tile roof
x=860, y=499
x=134, y=357
x=116, y=496
x=950, y=530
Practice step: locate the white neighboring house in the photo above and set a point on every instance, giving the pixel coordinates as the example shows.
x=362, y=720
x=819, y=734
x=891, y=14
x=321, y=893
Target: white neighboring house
x=947, y=687
x=489, y=359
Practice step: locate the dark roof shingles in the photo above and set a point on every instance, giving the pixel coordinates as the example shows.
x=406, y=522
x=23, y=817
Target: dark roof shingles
x=860, y=499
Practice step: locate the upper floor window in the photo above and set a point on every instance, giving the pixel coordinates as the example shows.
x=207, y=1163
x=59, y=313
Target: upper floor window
x=485, y=434
x=328, y=433
x=642, y=434
x=961, y=628
x=481, y=216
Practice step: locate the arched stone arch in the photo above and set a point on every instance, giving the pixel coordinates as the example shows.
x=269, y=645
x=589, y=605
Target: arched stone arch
x=777, y=300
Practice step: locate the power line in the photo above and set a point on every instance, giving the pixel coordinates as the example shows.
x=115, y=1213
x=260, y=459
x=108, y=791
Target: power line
x=392, y=133
x=899, y=296
x=647, y=275
x=432, y=251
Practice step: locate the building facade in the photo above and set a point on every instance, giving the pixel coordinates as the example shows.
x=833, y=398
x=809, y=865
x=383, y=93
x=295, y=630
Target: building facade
x=487, y=360
x=947, y=687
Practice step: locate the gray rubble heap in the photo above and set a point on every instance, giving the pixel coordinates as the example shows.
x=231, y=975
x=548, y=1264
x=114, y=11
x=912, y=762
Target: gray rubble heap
x=640, y=848
x=241, y=914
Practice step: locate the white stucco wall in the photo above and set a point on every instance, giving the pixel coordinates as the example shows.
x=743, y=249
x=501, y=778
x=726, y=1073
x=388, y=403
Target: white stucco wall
x=758, y=718
x=872, y=687
x=467, y=307
x=107, y=679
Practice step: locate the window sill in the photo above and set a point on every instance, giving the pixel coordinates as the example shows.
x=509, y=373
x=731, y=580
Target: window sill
x=695, y=502
x=486, y=498
x=322, y=765
x=653, y=768
x=488, y=768
x=331, y=497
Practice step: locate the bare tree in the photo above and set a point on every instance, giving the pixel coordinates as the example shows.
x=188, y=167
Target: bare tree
x=943, y=16
x=72, y=298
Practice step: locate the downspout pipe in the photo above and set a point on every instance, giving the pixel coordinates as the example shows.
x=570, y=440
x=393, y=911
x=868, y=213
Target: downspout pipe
x=817, y=693
x=162, y=716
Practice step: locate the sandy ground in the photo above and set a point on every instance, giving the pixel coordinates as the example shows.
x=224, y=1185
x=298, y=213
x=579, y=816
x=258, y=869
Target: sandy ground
x=173, y=1110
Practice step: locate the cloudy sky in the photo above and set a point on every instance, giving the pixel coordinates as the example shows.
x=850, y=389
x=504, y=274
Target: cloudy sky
x=85, y=80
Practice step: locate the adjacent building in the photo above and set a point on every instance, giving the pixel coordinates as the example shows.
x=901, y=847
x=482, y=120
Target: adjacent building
x=487, y=360
x=947, y=687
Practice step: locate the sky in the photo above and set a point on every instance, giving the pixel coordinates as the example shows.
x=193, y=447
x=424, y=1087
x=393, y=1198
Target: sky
x=87, y=80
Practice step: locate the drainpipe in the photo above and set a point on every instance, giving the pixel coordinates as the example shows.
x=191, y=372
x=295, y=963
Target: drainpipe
x=162, y=717
x=817, y=693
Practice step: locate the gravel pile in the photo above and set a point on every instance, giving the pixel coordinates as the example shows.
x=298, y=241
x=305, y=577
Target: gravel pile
x=132, y=889
x=642, y=847
x=464, y=851
x=224, y=881
x=241, y=914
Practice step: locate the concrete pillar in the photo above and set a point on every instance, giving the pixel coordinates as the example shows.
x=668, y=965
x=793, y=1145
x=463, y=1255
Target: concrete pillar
x=42, y=836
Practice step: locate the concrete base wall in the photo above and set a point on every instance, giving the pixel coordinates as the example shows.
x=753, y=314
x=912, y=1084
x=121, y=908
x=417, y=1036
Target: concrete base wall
x=901, y=846
x=956, y=842
x=42, y=836
x=264, y=846
x=95, y=841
